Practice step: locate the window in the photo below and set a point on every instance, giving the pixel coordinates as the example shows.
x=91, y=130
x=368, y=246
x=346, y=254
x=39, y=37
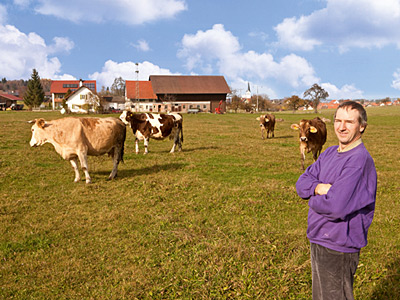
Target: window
x=70, y=85
x=90, y=86
x=83, y=97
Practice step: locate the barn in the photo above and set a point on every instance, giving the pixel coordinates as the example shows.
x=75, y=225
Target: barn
x=178, y=93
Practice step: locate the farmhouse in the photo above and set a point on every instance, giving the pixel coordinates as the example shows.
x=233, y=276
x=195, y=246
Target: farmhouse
x=163, y=93
x=10, y=101
x=140, y=97
x=59, y=88
x=113, y=103
x=82, y=101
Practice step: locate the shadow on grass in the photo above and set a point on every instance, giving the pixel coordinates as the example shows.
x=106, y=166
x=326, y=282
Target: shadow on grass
x=144, y=171
x=199, y=149
x=283, y=137
x=389, y=288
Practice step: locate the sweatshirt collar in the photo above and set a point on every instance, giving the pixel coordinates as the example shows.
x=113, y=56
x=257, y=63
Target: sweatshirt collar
x=351, y=146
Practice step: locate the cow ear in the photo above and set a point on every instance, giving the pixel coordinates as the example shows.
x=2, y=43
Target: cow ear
x=295, y=126
x=32, y=121
x=266, y=120
x=313, y=129
x=41, y=123
x=258, y=118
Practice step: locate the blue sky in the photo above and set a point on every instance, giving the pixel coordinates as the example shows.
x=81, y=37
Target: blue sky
x=350, y=47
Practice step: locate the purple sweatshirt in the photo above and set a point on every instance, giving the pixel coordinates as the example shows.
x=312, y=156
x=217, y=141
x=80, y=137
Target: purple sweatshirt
x=340, y=219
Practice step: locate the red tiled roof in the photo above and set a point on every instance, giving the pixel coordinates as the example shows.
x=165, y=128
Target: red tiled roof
x=145, y=90
x=11, y=97
x=57, y=86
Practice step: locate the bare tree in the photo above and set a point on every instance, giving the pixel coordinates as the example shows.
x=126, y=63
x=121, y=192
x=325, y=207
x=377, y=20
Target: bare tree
x=118, y=87
x=316, y=94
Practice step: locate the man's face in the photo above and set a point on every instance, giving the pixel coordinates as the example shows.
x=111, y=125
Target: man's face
x=347, y=127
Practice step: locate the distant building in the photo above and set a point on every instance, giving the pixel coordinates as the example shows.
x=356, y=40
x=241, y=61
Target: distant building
x=59, y=88
x=10, y=101
x=333, y=104
x=247, y=96
x=83, y=100
x=113, y=103
x=139, y=96
x=164, y=93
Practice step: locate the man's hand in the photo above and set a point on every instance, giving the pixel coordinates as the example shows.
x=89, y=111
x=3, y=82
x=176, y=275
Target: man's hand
x=322, y=189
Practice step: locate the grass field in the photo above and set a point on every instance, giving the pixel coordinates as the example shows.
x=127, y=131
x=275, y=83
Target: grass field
x=220, y=220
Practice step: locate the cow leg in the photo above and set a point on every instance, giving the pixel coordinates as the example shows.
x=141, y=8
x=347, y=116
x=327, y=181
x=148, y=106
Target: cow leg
x=137, y=145
x=146, y=145
x=176, y=142
x=74, y=163
x=116, y=159
x=303, y=155
x=84, y=166
x=178, y=139
x=262, y=132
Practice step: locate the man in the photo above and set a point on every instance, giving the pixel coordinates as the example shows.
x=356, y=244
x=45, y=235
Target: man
x=341, y=188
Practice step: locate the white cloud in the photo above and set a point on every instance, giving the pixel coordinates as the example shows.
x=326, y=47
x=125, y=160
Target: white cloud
x=348, y=91
x=131, y=12
x=396, y=80
x=220, y=48
x=61, y=44
x=20, y=53
x=345, y=24
x=126, y=70
x=142, y=45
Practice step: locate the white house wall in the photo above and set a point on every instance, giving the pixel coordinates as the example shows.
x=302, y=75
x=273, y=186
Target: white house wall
x=75, y=102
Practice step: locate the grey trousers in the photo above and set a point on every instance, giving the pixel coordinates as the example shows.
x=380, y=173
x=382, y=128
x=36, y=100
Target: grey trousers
x=332, y=273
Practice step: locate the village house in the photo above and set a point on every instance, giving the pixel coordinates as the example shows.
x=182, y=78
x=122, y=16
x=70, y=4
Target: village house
x=59, y=88
x=139, y=97
x=8, y=101
x=112, y=103
x=165, y=93
x=83, y=100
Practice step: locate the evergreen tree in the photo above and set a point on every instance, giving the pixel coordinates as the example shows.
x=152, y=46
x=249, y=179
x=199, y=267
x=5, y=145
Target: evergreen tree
x=34, y=95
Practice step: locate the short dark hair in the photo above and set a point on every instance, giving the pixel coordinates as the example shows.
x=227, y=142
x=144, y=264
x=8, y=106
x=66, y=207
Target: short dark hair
x=362, y=119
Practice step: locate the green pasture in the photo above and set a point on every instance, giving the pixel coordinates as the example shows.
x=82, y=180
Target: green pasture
x=219, y=220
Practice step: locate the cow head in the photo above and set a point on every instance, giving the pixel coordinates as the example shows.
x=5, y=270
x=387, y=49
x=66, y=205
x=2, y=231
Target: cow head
x=38, y=135
x=263, y=119
x=123, y=117
x=305, y=129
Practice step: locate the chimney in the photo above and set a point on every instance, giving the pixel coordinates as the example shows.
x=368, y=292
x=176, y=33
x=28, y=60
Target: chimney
x=80, y=82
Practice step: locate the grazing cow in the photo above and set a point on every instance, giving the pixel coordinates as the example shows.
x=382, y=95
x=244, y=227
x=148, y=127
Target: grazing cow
x=155, y=126
x=312, y=135
x=75, y=138
x=267, y=123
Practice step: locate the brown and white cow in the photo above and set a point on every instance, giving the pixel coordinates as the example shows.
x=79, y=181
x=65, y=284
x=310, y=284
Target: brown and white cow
x=75, y=138
x=312, y=134
x=267, y=123
x=155, y=126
